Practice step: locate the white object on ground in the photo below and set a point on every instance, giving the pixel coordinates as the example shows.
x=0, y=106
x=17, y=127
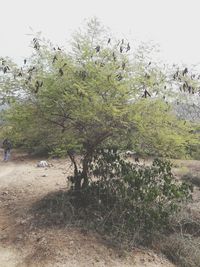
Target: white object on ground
x=42, y=164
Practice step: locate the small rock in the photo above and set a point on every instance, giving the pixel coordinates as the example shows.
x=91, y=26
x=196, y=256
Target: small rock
x=44, y=175
x=42, y=164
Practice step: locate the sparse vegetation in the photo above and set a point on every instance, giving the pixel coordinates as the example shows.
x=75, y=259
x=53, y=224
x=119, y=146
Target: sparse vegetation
x=182, y=250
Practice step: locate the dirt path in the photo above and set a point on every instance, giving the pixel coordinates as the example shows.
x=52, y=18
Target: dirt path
x=5, y=171
x=25, y=242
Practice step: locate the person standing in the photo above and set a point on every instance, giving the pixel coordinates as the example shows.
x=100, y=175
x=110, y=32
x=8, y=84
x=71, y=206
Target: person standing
x=7, y=148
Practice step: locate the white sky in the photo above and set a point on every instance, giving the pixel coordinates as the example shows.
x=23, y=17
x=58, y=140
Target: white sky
x=174, y=24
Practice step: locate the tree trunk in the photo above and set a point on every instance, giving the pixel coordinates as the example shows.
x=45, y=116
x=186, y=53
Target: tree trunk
x=81, y=180
x=77, y=174
x=87, y=159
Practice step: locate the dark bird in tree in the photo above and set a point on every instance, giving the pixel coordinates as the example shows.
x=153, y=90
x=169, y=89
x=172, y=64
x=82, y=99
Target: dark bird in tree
x=5, y=69
x=19, y=74
x=114, y=56
x=121, y=49
x=146, y=93
x=59, y=48
x=122, y=41
x=65, y=64
x=189, y=89
x=119, y=77
x=25, y=61
x=31, y=69
x=79, y=48
x=37, y=86
x=175, y=75
x=97, y=48
x=29, y=78
x=61, y=72
x=123, y=65
x=128, y=47
x=109, y=40
x=54, y=59
x=185, y=71
x=36, y=44
x=147, y=76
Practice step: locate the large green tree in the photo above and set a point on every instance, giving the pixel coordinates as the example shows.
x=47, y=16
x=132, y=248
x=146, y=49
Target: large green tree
x=84, y=98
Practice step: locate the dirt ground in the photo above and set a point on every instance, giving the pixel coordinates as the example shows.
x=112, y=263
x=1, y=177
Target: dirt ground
x=24, y=241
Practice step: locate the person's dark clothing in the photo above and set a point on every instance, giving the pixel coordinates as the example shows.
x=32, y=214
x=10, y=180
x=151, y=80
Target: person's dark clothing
x=7, y=147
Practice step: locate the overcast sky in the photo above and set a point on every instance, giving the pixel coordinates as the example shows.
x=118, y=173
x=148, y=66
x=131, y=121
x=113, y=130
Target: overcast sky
x=173, y=24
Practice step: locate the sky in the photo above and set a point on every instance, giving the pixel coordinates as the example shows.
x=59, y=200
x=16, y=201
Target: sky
x=172, y=24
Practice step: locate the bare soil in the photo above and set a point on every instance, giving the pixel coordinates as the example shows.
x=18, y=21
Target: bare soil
x=26, y=240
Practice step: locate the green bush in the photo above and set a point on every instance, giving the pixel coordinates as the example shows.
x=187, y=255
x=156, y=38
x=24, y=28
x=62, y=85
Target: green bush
x=125, y=198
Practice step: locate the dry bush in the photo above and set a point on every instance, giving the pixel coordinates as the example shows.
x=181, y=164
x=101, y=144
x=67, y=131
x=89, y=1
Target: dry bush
x=182, y=245
x=183, y=250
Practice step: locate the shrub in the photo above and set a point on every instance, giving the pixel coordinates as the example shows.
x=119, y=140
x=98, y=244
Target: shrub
x=182, y=250
x=128, y=200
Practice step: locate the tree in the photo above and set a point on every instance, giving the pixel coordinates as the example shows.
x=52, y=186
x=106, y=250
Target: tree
x=81, y=99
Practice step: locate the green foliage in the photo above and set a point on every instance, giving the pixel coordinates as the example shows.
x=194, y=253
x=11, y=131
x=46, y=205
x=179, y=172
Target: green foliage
x=159, y=132
x=125, y=198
